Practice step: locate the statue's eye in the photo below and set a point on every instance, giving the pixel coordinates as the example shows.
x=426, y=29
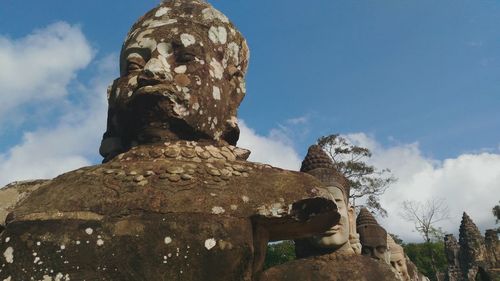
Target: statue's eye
x=133, y=66
x=185, y=57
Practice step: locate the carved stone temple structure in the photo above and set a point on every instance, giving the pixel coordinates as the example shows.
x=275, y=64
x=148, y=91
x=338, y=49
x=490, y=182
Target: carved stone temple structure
x=329, y=256
x=473, y=257
x=175, y=198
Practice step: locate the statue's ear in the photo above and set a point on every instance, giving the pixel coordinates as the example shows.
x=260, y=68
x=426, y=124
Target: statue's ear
x=351, y=213
x=111, y=144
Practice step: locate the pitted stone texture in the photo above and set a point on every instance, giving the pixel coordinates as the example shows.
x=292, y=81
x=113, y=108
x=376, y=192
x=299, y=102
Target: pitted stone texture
x=152, y=191
x=182, y=70
x=365, y=217
x=473, y=257
x=320, y=165
x=131, y=248
x=471, y=241
x=332, y=267
x=371, y=234
x=14, y=193
x=316, y=158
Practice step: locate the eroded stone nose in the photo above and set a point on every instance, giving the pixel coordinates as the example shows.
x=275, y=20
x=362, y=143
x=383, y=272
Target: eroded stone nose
x=155, y=71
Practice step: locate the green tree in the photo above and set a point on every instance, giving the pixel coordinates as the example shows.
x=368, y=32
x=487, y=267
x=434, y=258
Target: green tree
x=496, y=212
x=279, y=253
x=419, y=254
x=365, y=180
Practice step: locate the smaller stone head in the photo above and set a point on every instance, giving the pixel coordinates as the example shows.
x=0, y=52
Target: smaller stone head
x=182, y=70
x=319, y=164
x=398, y=259
x=373, y=237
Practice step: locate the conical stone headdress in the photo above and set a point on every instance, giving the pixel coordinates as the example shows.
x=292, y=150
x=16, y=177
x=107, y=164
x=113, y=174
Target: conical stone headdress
x=320, y=165
x=371, y=234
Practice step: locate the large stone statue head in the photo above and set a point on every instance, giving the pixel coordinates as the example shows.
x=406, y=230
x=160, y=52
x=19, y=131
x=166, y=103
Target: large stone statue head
x=398, y=259
x=373, y=237
x=320, y=165
x=182, y=70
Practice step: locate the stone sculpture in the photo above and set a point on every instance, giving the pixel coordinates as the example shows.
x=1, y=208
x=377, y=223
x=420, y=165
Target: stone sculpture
x=398, y=259
x=175, y=199
x=473, y=257
x=329, y=256
x=373, y=237
x=353, y=233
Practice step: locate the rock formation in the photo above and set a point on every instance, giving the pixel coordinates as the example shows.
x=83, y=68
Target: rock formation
x=473, y=257
x=373, y=237
x=329, y=256
x=175, y=199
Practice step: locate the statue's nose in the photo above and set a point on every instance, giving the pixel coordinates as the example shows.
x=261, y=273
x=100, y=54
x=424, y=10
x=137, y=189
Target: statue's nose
x=154, y=72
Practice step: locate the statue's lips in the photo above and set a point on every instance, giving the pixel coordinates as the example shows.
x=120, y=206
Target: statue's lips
x=334, y=230
x=157, y=90
x=162, y=99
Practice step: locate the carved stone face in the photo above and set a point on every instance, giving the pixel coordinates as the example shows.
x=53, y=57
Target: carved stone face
x=338, y=235
x=181, y=74
x=379, y=252
x=398, y=261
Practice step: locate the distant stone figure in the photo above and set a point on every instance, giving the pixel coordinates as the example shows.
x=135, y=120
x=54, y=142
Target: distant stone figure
x=175, y=199
x=373, y=237
x=329, y=256
x=398, y=259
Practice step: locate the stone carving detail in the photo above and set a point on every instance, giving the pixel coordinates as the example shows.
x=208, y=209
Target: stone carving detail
x=373, y=237
x=474, y=257
x=329, y=256
x=182, y=70
x=398, y=259
x=175, y=199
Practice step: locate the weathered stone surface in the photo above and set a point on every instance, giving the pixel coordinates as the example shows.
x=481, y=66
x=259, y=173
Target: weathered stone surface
x=330, y=256
x=316, y=158
x=130, y=221
x=474, y=257
x=175, y=199
x=182, y=70
x=320, y=165
x=373, y=237
x=398, y=259
x=331, y=267
x=15, y=193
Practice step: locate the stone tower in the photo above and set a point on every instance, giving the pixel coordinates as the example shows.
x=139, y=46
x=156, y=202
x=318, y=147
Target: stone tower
x=472, y=247
x=493, y=247
x=474, y=257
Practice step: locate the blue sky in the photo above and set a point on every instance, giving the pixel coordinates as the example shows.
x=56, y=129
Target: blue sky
x=420, y=78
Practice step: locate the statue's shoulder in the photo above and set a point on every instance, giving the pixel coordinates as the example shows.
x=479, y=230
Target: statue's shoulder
x=180, y=177
x=14, y=193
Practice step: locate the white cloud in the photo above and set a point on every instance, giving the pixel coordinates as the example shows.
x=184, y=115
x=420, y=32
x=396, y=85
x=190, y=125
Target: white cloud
x=40, y=66
x=74, y=139
x=274, y=149
x=469, y=182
